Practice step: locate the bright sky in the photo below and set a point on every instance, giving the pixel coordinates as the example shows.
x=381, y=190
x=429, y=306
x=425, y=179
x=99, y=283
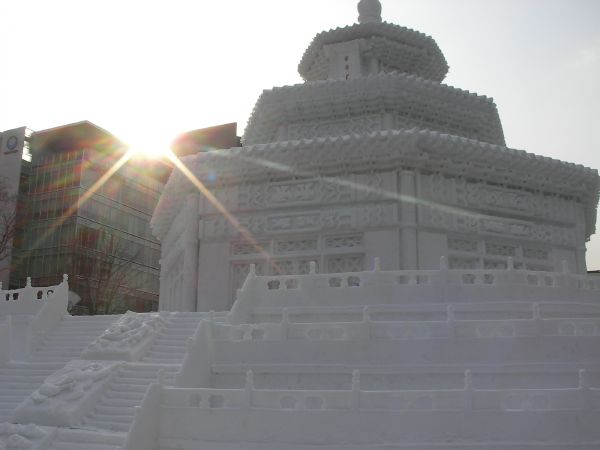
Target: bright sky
x=148, y=70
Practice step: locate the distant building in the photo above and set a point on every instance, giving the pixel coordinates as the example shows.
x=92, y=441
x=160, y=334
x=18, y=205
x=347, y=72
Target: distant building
x=104, y=243
x=106, y=235
x=15, y=167
x=204, y=139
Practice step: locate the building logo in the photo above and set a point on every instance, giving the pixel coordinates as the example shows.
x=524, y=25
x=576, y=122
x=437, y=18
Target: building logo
x=12, y=143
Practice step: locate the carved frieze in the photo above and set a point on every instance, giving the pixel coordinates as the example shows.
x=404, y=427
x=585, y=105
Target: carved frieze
x=336, y=218
x=313, y=191
x=350, y=125
x=461, y=192
x=466, y=222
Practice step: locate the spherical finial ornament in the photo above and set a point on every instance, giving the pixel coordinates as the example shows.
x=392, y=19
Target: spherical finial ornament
x=369, y=11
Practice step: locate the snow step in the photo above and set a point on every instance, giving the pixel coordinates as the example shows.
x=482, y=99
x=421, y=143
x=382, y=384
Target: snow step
x=70, y=337
x=88, y=440
x=115, y=409
x=107, y=424
x=18, y=381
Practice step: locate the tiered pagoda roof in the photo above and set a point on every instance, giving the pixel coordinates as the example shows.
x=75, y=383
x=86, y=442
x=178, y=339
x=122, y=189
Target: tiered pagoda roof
x=399, y=48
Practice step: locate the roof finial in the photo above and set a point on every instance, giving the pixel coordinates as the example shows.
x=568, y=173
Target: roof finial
x=369, y=11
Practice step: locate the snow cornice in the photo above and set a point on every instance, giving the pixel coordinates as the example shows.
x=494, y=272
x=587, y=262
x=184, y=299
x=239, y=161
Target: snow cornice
x=415, y=149
x=443, y=107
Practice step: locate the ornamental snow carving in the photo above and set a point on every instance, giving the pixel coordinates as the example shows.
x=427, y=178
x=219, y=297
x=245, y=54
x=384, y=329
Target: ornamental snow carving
x=127, y=339
x=69, y=384
x=66, y=395
x=14, y=437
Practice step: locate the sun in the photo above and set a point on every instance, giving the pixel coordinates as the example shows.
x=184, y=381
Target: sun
x=150, y=148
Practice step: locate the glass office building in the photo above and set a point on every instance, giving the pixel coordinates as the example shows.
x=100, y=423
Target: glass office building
x=102, y=239
x=73, y=219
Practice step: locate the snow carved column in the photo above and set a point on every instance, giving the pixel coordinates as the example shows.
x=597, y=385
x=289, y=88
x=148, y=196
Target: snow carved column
x=187, y=302
x=408, y=218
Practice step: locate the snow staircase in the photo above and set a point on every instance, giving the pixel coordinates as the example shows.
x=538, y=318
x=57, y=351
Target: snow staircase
x=72, y=335
x=171, y=344
x=115, y=409
x=66, y=439
x=18, y=381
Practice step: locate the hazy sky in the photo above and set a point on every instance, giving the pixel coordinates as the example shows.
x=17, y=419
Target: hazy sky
x=148, y=70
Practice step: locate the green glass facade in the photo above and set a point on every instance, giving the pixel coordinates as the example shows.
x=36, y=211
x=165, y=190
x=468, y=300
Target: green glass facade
x=104, y=243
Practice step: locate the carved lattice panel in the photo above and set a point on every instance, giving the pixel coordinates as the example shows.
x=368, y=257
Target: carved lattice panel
x=300, y=266
x=243, y=248
x=296, y=245
x=343, y=242
x=462, y=245
x=345, y=263
x=535, y=253
x=491, y=264
x=499, y=249
x=539, y=267
x=463, y=263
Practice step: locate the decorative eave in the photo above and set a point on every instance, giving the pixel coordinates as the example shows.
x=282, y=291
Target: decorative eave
x=389, y=150
x=432, y=64
x=443, y=108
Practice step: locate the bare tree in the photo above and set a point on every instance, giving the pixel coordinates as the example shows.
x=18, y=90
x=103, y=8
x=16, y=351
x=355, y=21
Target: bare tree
x=105, y=272
x=8, y=219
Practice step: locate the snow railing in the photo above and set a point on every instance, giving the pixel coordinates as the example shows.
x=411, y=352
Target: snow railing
x=53, y=309
x=581, y=397
x=28, y=300
x=425, y=286
x=367, y=328
x=47, y=305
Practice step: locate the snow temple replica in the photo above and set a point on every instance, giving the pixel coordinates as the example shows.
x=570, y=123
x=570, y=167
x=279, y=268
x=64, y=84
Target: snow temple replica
x=390, y=275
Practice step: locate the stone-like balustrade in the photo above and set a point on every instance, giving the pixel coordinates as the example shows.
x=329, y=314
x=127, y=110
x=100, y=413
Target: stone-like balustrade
x=581, y=397
x=367, y=328
x=498, y=278
x=400, y=286
x=46, y=306
x=27, y=300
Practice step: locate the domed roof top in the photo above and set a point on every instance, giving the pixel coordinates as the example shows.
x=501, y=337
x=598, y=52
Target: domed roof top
x=398, y=48
x=369, y=11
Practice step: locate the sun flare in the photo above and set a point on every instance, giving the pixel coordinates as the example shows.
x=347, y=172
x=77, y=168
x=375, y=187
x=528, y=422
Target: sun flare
x=153, y=147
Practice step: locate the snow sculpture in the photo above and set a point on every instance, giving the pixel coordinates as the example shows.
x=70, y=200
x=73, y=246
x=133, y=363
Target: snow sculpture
x=127, y=339
x=371, y=156
x=66, y=395
x=477, y=328
x=17, y=437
